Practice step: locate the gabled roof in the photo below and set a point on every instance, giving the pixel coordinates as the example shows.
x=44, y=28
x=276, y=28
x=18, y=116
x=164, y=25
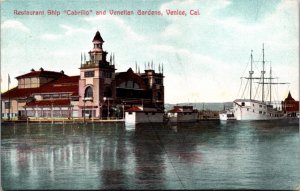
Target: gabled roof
x=41, y=73
x=133, y=109
x=19, y=93
x=64, y=81
x=175, y=110
x=64, y=84
x=98, y=37
x=129, y=75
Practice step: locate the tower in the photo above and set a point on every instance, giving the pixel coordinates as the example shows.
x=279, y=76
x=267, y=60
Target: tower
x=155, y=82
x=97, y=81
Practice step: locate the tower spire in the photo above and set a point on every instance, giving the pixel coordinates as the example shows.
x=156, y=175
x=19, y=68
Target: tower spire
x=152, y=64
x=159, y=68
x=113, y=59
x=136, y=67
x=110, y=59
x=98, y=42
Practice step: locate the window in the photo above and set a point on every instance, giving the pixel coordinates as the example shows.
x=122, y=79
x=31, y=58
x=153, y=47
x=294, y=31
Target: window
x=89, y=74
x=247, y=109
x=47, y=96
x=129, y=85
x=64, y=95
x=7, y=105
x=158, y=81
x=106, y=74
x=243, y=103
x=88, y=92
x=260, y=112
x=260, y=105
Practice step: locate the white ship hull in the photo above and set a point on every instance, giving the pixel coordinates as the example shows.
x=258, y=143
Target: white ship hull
x=245, y=109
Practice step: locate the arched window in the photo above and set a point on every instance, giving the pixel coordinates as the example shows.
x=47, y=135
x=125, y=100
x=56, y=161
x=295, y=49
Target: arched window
x=88, y=92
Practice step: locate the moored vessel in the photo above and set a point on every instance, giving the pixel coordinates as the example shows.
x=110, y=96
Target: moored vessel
x=254, y=109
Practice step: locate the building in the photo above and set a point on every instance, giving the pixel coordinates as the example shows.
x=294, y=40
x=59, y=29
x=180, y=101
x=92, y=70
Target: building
x=103, y=92
x=41, y=94
x=98, y=92
x=182, y=114
x=137, y=115
x=290, y=106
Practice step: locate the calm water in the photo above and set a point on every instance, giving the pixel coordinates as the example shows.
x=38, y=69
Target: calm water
x=206, y=155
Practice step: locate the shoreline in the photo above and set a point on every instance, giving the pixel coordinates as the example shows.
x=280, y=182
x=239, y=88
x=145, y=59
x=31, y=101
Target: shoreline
x=82, y=121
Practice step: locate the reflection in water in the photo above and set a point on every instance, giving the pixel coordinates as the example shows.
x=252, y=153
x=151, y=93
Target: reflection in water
x=206, y=155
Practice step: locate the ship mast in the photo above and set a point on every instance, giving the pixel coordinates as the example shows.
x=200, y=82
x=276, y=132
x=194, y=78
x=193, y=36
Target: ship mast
x=270, y=84
x=250, y=75
x=263, y=75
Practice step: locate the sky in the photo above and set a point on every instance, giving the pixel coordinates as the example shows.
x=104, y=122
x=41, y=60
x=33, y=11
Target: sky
x=203, y=56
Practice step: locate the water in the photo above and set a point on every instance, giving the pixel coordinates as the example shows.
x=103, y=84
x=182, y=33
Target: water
x=205, y=155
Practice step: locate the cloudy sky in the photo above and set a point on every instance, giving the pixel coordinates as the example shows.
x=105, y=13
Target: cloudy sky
x=203, y=56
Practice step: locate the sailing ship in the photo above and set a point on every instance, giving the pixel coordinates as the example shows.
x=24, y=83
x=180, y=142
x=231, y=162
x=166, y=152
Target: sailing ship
x=253, y=109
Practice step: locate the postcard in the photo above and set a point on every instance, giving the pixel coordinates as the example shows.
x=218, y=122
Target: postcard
x=147, y=94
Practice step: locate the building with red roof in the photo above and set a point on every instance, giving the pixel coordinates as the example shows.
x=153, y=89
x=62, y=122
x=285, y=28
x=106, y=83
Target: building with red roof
x=98, y=91
x=41, y=94
x=290, y=106
x=182, y=114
